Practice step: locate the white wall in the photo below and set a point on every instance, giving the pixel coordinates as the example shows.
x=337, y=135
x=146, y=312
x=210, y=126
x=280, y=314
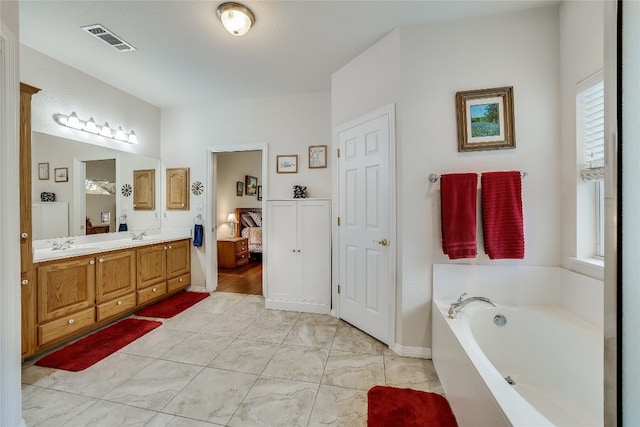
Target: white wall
x=65, y=89
x=437, y=60
x=232, y=167
x=287, y=124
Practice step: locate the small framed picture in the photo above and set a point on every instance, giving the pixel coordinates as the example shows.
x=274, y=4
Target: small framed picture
x=287, y=163
x=485, y=119
x=250, y=185
x=239, y=188
x=259, y=192
x=317, y=156
x=43, y=171
x=61, y=174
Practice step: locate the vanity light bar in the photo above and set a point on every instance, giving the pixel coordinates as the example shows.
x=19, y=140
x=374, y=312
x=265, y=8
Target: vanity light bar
x=72, y=121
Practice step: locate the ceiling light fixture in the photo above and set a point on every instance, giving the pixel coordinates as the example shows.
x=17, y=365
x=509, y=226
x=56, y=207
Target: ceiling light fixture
x=236, y=18
x=72, y=121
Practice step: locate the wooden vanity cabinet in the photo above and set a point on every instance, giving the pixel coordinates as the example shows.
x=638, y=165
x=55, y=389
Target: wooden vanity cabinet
x=178, y=265
x=115, y=283
x=152, y=272
x=66, y=297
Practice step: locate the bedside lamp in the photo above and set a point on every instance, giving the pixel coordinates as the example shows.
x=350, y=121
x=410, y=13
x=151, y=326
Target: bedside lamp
x=232, y=220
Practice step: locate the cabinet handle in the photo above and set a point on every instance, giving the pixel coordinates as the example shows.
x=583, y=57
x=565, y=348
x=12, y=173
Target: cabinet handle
x=119, y=302
x=24, y=235
x=101, y=260
x=70, y=321
x=180, y=279
x=92, y=262
x=153, y=290
x=165, y=248
x=182, y=205
x=25, y=282
x=293, y=250
x=169, y=246
x=298, y=250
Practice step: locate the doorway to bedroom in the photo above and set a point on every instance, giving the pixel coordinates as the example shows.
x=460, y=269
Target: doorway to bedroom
x=237, y=183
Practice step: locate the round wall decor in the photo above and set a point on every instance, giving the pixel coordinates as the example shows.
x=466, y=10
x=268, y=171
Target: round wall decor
x=126, y=190
x=197, y=188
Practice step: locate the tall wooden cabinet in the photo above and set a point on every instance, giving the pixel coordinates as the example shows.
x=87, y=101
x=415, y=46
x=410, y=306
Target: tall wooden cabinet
x=178, y=188
x=28, y=289
x=299, y=255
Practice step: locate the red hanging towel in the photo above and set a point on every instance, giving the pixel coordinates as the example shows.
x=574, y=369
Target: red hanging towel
x=502, y=218
x=458, y=195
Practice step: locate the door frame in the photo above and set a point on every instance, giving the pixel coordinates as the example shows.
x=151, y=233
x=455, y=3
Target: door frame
x=211, y=227
x=390, y=111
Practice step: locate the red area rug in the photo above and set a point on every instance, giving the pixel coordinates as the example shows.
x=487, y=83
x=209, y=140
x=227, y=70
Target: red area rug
x=172, y=306
x=95, y=347
x=403, y=407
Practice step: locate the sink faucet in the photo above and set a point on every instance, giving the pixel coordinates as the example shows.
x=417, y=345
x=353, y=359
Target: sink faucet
x=55, y=246
x=456, y=307
x=139, y=236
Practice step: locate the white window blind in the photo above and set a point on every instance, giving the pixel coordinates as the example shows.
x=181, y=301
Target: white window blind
x=591, y=129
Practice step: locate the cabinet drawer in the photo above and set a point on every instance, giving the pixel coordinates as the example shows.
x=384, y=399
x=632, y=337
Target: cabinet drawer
x=151, y=293
x=115, y=307
x=242, y=246
x=242, y=258
x=178, y=282
x=67, y=325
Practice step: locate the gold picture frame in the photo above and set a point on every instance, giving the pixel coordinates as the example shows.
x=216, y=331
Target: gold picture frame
x=61, y=174
x=485, y=119
x=317, y=156
x=43, y=171
x=287, y=163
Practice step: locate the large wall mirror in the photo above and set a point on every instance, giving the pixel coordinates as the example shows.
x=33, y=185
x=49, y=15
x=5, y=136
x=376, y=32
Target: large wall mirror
x=93, y=188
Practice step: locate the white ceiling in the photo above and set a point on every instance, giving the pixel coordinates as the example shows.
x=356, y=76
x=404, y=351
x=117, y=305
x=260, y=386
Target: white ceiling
x=185, y=57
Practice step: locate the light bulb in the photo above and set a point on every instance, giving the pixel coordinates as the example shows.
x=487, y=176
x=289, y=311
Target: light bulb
x=73, y=121
x=133, y=138
x=90, y=126
x=106, y=131
x=120, y=135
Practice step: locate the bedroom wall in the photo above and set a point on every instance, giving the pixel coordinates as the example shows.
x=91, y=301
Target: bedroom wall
x=517, y=49
x=232, y=167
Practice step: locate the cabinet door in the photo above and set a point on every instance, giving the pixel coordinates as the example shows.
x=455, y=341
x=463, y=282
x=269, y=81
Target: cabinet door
x=178, y=258
x=151, y=265
x=282, y=255
x=314, y=251
x=115, y=275
x=65, y=287
x=144, y=189
x=178, y=188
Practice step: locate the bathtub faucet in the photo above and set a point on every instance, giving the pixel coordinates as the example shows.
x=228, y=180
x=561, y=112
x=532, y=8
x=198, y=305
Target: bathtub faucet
x=456, y=307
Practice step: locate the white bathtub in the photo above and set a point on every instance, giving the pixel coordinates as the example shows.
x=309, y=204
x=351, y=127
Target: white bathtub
x=552, y=353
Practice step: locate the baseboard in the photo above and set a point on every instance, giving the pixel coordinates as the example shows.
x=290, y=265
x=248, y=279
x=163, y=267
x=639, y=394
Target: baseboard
x=308, y=307
x=419, y=352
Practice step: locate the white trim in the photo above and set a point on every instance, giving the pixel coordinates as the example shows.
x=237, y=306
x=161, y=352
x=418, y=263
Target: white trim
x=10, y=319
x=305, y=307
x=211, y=250
x=390, y=111
x=406, y=351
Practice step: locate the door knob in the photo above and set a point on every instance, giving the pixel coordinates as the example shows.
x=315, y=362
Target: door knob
x=381, y=242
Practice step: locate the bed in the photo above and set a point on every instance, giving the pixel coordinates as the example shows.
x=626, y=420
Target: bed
x=250, y=226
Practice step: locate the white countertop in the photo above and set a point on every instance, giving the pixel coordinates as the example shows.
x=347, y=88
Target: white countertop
x=95, y=243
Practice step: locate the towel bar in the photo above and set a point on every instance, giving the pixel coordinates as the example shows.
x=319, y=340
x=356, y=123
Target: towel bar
x=433, y=178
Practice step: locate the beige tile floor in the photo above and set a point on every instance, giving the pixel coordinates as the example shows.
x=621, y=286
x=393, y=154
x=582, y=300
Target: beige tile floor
x=227, y=361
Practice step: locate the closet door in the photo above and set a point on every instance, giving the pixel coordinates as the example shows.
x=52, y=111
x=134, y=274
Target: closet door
x=282, y=255
x=314, y=251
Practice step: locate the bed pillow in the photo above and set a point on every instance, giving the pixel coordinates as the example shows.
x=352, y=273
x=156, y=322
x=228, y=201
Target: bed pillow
x=246, y=219
x=257, y=218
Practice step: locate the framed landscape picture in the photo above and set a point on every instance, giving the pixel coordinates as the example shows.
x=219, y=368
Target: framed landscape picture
x=287, y=163
x=239, y=188
x=61, y=174
x=250, y=185
x=485, y=119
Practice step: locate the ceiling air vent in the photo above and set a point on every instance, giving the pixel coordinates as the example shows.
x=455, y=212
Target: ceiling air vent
x=108, y=37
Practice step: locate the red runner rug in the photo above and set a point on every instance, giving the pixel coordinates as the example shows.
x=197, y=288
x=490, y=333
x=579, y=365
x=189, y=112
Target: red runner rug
x=172, y=306
x=403, y=407
x=95, y=347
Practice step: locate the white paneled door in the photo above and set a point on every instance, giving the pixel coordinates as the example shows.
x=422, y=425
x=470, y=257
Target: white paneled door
x=366, y=241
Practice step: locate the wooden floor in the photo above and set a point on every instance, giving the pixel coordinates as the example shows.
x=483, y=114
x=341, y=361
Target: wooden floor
x=241, y=280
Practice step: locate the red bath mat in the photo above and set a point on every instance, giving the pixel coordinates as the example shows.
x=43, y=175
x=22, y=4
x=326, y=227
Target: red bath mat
x=95, y=347
x=172, y=306
x=403, y=407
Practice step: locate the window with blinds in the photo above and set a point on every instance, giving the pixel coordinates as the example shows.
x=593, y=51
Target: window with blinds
x=590, y=121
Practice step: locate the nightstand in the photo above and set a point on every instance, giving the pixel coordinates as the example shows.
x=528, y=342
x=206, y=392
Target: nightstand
x=233, y=252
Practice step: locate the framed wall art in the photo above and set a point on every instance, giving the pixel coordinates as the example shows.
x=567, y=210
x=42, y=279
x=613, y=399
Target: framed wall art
x=287, y=163
x=61, y=174
x=259, y=192
x=239, y=188
x=317, y=156
x=250, y=185
x=43, y=171
x=485, y=119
